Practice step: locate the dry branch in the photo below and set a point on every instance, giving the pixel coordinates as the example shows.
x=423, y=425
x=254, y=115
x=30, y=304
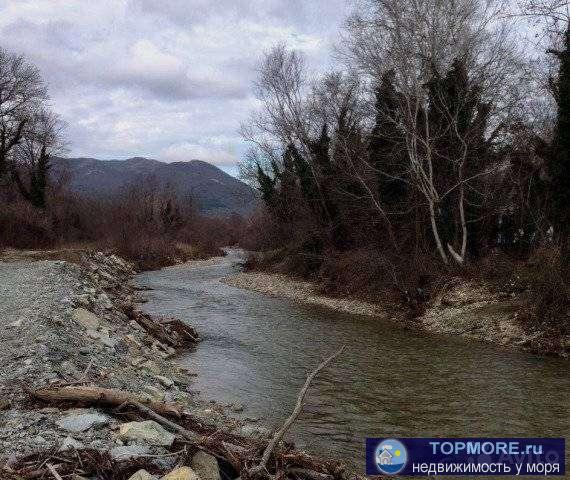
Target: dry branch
x=296, y=412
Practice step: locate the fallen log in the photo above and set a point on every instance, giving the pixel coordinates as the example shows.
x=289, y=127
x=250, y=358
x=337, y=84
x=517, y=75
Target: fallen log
x=103, y=396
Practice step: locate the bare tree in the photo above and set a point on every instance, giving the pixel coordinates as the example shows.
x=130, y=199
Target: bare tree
x=420, y=42
x=21, y=93
x=42, y=139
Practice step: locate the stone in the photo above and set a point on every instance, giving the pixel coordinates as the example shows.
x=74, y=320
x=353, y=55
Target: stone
x=69, y=443
x=154, y=393
x=253, y=431
x=142, y=475
x=104, y=301
x=182, y=473
x=82, y=300
x=128, y=452
x=148, y=432
x=206, y=466
x=85, y=318
x=165, y=381
x=80, y=422
x=17, y=323
x=151, y=366
x=104, y=337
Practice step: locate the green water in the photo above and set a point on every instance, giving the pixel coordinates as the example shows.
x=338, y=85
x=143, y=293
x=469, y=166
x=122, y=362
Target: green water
x=257, y=351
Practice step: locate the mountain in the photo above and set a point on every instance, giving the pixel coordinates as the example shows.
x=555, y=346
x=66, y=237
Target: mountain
x=214, y=191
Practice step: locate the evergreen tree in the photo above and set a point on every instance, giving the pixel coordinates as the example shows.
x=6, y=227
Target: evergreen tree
x=39, y=180
x=559, y=167
x=266, y=186
x=386, y=142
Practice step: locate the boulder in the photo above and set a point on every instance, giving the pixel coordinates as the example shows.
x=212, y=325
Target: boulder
x=183, y=473
x=80, y=422
x=147, y=432
x=88, y=320
x=142, y=475
x=205, y=466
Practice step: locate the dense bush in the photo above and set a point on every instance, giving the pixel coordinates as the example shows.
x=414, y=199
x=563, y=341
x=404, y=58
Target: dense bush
x=146, y=226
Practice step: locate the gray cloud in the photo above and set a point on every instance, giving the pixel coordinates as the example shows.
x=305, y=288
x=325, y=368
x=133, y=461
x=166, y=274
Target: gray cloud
x=170, y=79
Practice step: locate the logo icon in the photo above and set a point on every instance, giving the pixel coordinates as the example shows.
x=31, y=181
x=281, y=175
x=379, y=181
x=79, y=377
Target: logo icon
x=391, y=456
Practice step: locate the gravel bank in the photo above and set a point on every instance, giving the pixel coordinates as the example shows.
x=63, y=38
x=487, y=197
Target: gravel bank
x=64, y=323
x=303, y=292
x=465, y=309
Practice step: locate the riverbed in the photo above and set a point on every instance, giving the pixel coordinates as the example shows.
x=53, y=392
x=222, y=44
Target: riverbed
x=257, y=351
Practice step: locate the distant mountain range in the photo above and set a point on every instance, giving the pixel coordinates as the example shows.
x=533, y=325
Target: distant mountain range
x=214, y=191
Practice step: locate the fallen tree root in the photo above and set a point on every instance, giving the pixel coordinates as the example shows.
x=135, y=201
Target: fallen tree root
x=170, y=331
x=103, y=396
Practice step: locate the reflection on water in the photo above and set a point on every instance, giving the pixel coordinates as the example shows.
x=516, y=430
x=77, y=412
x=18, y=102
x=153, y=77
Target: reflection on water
x=257, y=350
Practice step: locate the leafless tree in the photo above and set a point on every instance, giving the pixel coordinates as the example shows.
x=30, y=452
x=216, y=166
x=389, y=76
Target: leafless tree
x=42, y=139
x=22, y=92
x=418, y=40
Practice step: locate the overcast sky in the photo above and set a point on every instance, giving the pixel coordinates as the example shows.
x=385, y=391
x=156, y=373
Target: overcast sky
x=166, y=79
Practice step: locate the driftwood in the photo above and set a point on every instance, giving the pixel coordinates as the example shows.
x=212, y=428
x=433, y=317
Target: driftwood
x=249, y=457
x=172, y=332
x=103, y=396
x=296, y=412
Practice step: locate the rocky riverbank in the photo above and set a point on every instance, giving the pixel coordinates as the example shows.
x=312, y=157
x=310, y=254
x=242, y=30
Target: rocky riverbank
x=464, y=309
x=71, y=324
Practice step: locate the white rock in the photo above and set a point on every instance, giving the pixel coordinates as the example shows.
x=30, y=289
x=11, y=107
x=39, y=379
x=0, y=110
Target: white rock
x=206, y=466
x=85, y=318
x=128, y=452
x=82, y=421
x=69, y=443
x=148, y=432
x=142, y=475
x=183, y=473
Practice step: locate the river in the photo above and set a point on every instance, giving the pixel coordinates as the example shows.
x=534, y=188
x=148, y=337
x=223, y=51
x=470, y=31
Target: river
x=257, y=351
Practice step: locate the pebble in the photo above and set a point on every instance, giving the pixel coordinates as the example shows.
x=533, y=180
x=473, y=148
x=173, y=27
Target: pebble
x=142, y=475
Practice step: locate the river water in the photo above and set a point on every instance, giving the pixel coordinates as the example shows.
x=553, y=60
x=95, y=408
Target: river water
x=257, y=350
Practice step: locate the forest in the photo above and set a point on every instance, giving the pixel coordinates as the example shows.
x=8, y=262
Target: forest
x=440, y=148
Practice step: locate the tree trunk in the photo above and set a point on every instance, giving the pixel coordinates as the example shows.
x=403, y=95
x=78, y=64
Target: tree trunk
x=436, y=233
